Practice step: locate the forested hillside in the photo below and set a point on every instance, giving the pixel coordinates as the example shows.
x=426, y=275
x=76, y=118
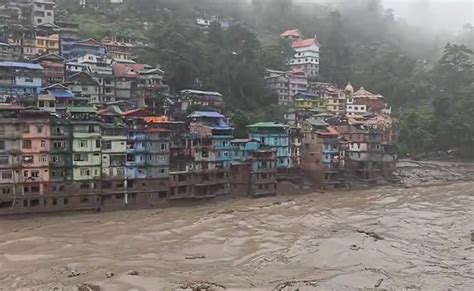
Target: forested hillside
x=427, y=81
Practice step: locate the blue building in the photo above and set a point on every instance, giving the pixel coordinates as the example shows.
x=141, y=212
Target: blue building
x=19, y=80
x=88, y=46
x=275, y=136
x=209, y=142
x=136, y=154
x=253, y=168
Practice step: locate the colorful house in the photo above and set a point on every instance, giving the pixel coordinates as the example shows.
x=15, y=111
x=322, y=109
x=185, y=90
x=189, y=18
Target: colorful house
x=19, y=80
x=275, y=136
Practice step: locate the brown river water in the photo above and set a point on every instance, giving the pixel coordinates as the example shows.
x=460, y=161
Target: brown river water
x=395, y=238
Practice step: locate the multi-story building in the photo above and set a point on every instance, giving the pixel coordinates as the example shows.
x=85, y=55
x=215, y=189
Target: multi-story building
x=275, y=136
x=186, y=99
x=19, y=79
x=53, y=68
x=60, y=174
x=298, y=83
x=42, y=12
x=306, y=56
x=35, y=152
x=84, y=86
x=209, y=141
x=86, y=148
x=47, y=39
x=149, y=87
x=253, y=170
x=278, y=83
x=68, y=35
x=88, y=46
x=6, y=52
x=320, y=153
x=308, y=101
x=119, y=49
x=10, y=157
x=157, y=163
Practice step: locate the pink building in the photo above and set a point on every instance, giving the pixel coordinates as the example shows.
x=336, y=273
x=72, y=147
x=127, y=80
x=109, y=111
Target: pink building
x=35, y=152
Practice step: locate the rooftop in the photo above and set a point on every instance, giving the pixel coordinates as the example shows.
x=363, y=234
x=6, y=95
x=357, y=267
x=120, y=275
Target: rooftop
x=305, y=42
x=199, y=92
x=209, y=114
x=20, y=65
x=291, y=32
x=267, y=125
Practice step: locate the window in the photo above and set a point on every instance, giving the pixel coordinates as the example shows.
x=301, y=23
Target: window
x=7, y=175
x=39, y=129
x=35, y=174
x=35, y=189
x=49, y=13
x=55, y=201
x=43, y=143
x=4, y=160
x=81, y=157
x=2, y=144
x=27, y=144
x=121, y=172
x=83, y=143
x=2, y=128
x=85, y=172
x=85, y=186
x=97, y=143
x=28, y=159
x=106, y=145
x=43, y=158
x=84, y=199
x=225, y=154
x=65, y=201
x=164, y=146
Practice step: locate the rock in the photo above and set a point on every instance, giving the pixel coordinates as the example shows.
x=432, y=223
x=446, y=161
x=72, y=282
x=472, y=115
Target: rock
x=379, y=282
x=132, y=273
x=109, y=274
x=354, y=248
x=472, y=235
x=87, y=287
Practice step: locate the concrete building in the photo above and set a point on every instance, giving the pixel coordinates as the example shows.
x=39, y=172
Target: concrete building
x=320, y=159
x=68, y=35
x=35, y=152
x=306, y=57
x=87, y=46
x=188, y=98
x=42, y=12
x=19, y=80
x=53, y=68
x=278, y=83
x=275, y=136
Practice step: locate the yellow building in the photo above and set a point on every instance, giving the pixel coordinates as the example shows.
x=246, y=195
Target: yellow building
x=47, y=39
x=307, y=101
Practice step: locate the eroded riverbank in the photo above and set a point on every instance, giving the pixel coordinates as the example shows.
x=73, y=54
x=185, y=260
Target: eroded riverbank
x=326, y=240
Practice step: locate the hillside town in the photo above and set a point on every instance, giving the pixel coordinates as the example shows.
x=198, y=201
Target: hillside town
x=84, y=126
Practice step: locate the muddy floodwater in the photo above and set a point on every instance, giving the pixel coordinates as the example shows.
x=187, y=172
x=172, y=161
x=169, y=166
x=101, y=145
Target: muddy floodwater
x=394, y=238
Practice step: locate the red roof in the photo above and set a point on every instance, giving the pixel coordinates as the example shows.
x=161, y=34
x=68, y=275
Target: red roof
x=136, y=112
x=127, y=70
x=157, y=130
x=292, y=32
x=90, y=42
x=329, y=131
x=305, y=42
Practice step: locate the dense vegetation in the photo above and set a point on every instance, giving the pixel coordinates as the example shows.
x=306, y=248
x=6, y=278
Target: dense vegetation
x=430, y=89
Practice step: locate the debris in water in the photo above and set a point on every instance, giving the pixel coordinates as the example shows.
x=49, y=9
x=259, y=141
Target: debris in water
x=472, y=235
x=355, y=247
x=109, y=274
x=201, y=286
x=73, y=273
x=371, y=234
x=88, y=287
x=191, y=257
x=379, y=282
x=132, y=273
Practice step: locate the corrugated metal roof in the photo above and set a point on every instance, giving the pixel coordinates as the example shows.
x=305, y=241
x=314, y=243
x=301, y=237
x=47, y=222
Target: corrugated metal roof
x=210, y=114
x=199, y=92
x=268, y=124
x=20, y=65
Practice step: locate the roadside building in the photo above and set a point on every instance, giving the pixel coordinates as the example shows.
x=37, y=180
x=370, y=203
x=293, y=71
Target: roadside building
x=306, y=56
x=188, y=99
x=68, y=35
x=83, y=86
x=87, y=46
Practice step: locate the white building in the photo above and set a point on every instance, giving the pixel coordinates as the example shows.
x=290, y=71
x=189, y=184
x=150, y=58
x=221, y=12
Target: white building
x=306, y=56
x=286, y=85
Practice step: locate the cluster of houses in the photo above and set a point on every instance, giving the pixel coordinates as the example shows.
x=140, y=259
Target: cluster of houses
x=85, y=127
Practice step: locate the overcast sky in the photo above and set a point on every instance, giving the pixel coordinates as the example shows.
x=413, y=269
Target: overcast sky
x=441, y=14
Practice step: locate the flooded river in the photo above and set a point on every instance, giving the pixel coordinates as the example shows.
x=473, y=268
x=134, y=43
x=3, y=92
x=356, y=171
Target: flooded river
x=394, y=238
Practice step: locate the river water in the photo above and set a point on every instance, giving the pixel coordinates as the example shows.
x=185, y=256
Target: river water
x=397, y=238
